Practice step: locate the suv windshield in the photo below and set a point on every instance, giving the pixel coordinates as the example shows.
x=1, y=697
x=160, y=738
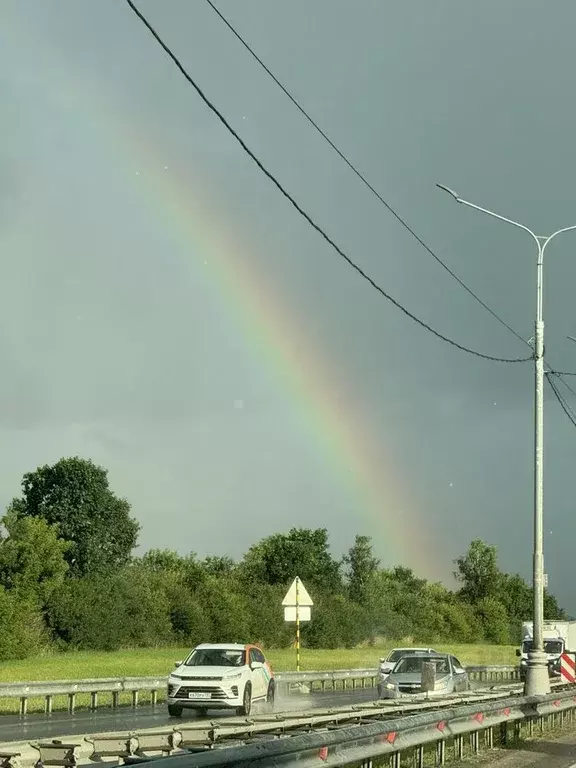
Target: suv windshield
x=412, y=665
x=215, y=657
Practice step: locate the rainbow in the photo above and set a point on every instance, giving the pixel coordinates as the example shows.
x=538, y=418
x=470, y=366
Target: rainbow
x=375, y=488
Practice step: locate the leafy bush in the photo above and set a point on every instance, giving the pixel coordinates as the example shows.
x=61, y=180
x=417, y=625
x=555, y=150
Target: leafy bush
x=67, y=579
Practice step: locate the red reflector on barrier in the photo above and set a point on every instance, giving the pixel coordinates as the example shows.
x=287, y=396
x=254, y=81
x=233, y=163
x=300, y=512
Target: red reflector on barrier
x=391, y=737
x=479, y=716
x=557, y=703
x=441, y=725
x=323, y=753
x=506, y=711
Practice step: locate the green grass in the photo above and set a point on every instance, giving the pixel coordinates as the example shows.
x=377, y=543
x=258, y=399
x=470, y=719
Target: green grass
x=159, y=661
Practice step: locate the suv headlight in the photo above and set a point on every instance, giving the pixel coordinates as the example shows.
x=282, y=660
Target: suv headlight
x=237, y=676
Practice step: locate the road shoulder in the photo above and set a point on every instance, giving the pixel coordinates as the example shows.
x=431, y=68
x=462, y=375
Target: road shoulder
x=532, y=753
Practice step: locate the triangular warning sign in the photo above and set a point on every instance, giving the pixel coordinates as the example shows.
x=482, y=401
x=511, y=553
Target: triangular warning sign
x=303, y=596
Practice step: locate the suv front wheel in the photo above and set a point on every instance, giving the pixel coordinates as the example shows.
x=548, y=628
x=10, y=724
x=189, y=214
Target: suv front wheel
x=246, y=707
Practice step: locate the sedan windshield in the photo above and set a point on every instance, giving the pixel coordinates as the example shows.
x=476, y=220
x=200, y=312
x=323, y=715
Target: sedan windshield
x=215, y=657
x=412, y=665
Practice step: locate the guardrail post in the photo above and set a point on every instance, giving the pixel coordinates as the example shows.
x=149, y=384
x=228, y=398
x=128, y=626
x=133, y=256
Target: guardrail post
x=441, y=752
x=419, y=757
x=154, y=697
x=489, y=737
x=48, y=704
x=474, y=742
x=71, y=702
x=115, y=699
x=23, y=706
x=94, y=700
x=458, y=748
x=134, y=699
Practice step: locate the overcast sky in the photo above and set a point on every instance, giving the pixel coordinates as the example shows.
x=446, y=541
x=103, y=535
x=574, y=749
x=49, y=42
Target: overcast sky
x=165, y=312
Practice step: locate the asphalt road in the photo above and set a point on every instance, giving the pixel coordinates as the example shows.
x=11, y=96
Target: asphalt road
x=105, y=720
x=34, y=727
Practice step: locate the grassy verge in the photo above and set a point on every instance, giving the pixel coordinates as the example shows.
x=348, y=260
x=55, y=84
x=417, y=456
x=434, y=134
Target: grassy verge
x=159, y=661
x=144, y=662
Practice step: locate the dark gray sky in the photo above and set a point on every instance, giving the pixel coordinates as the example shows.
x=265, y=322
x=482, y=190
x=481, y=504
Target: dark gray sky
x=165, y=312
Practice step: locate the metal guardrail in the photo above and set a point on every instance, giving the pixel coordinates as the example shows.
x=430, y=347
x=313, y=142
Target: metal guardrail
x=156, y=686
x=397, y=739
x=201, y=735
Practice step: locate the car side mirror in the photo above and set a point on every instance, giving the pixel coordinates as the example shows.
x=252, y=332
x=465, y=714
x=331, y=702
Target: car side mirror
x=518, y=652
x=178, y=664
x=256, y=665
x=382, y=661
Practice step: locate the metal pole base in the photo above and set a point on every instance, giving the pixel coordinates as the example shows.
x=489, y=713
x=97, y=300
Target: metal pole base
x=537, y=678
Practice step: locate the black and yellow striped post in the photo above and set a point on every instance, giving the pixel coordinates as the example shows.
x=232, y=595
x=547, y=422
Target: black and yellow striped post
x=297, y=624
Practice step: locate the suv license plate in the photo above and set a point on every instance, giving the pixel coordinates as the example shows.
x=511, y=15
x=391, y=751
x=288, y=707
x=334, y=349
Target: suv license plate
x=199, y=695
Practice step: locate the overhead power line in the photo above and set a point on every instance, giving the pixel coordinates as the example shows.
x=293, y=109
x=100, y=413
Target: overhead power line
x=563, y=404
x=568, y=387
x=359, y=174
x=301, y=211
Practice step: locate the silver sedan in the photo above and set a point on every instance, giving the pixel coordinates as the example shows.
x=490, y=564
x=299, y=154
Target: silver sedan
x=406, y=677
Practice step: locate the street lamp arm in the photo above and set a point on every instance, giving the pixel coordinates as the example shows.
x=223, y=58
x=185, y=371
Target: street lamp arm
x=492, y=213
x=554, y=234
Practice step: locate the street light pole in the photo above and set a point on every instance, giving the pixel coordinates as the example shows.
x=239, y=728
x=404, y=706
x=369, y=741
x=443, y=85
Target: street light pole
x=537, y=679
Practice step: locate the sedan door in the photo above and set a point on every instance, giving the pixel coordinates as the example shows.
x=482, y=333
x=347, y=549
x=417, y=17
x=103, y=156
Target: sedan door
x=460, y=675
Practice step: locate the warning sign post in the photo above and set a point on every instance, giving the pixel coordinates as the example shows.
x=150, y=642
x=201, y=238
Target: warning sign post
x=297, y=607
x=568, y=668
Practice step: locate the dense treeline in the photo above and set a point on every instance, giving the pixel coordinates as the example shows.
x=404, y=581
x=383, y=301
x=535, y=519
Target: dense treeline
x=69, y=579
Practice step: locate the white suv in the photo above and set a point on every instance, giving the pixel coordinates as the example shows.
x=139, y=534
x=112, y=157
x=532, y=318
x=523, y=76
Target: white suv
x=222, y=676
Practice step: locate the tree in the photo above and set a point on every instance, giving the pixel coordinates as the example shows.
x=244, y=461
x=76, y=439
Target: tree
x=302, y=552
x=74, y=494
x=494, y=620
x=23, y=631
x=478, y=573
x=216, y=565
x=32, y=558
x=362, y=566
x=110, y=611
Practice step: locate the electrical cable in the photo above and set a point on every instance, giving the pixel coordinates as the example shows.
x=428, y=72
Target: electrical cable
x=563, y=404
x=300, y=210
x=561, y=379
x=360, y=175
